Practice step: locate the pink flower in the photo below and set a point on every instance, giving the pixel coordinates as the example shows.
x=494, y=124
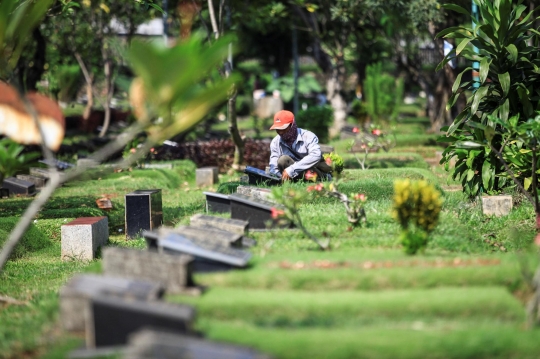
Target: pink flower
x=276, y=213
x=152, y=150
x=360, y=197
x=363, y=145
x=317, y=187
x=328, y=161
x=376, y=132
x=132, y=150
x=355, y=130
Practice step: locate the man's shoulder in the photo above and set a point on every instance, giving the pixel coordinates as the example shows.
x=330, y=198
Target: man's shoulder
x=306, y=133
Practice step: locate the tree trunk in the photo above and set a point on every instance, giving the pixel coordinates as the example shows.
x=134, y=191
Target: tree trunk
x=108, y=97
x=89, y=102
x=334, y=87
x=239, y=144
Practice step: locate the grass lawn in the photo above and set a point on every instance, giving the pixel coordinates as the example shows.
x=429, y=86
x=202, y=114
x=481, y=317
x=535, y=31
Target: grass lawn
x=463, y=298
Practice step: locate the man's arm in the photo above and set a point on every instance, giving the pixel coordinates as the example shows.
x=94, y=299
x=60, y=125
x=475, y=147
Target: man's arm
x=312, y=158
x=274, y=156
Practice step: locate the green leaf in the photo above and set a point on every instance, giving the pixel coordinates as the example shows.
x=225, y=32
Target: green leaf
x=524, y=98
x=462, y=45
x=489, y=133
x=484, y=69
x=527, y=183
x=478, y=96
x=486, y=174
x=504, y=80
x=456, y=8
x=513, y=51
x=470, y=174
x=468, y=144
x=504, y=110
x=458, y=79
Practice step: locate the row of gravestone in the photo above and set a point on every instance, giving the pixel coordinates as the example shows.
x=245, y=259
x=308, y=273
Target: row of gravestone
x=122, y=310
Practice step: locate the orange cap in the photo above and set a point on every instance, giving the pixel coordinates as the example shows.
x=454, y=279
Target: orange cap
x=282, y=120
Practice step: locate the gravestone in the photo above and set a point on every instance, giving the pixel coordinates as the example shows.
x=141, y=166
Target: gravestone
x=161, y=166
x=209, y=254
x=217, y=202
x=326, y=149
x=256, y=211
x=205, y=234
x=206, y=176
x=258, y=177
x=98, y=353
x=147, y=343
x=40, y=172
x=348, y=132
x=39, y=182
x=75, y=295
x=255, y=192
x=143, y=211
x=4, y=193
x=173, y=271
x=232, y=225
x=87, y=162
x=18, y=186
x=111, y=320
x=496, y=205
x=81, y=238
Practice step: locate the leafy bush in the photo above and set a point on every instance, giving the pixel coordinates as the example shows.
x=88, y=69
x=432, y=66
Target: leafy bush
x=285, y=85
x=68, y=79
x=316, y=119
x=334, y=160
x=384, y=94
x=417, y=205
x=12, y=160
x=228, y=187
x=507, y=87
x=33, y=240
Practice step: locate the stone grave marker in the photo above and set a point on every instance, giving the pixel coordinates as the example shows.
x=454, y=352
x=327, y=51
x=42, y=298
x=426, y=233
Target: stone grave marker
x=209, y=254
x=173, y=271
x=87, y=162
x=161, y=166
x=4, y=193
x=256, y=211
x=203, y=234
x=496, y=205
x=217, y=202
x=111, y=320
x=264, y=194
x=82, y=237
x=19, y=186
x=39, y=182
x=147, y=342
x=326, y=148
x=143, y=211
x=231, y=225
x=206, y=176
x=40, y=172
x=76, y=293
x=98, y=353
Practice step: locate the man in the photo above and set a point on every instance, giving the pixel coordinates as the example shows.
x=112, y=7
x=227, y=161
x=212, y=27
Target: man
x=295, y=153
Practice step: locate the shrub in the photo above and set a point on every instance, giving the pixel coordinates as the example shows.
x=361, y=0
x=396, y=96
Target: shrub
x=334, y=160
x=316, y=119
x=33, y=240
x=12, y=160
x=383, y=92
x=417, y=205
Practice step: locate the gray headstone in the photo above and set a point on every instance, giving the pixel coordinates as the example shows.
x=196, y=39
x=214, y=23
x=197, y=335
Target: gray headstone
x=75, y=294
x=326, y=148
x=154, y=344
x=206, y=176
x=255, y=192
x=111, y=320
x=199, y=234
x=209, y=254
x=496, y=205
x=41, y=172
x=82, y=237
x=87, y=162
x=232, y=225
x=98, y=353
x=174, y=272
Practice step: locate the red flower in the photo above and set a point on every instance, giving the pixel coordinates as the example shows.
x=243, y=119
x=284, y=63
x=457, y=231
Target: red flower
x=376, y=132
x=328, y=161
x=355, y=130
x=276, y=213
x=317, y=187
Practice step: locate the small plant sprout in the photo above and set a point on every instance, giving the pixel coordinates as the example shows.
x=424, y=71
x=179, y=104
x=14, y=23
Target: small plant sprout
x=417, y=205
x=291, y=200
x=354, y=203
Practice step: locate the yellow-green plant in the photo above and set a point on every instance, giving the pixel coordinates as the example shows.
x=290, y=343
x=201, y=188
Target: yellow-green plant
x=417, y=205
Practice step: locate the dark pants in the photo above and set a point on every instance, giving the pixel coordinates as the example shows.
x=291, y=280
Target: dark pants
x=320, y=168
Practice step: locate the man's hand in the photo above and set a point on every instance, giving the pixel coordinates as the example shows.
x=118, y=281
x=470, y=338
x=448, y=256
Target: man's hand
x=285, y=176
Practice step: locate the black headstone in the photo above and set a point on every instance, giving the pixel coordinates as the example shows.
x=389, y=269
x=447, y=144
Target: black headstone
x=111, y=320
x=160, y=344
x=217, y=202
x=257, y=212
x=258, y=177
x=4, y=192
x=209, y=254
x=18, y=186
x=143, y=211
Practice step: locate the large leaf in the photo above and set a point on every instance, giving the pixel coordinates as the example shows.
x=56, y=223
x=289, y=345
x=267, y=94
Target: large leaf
x=504, y=110
x=484, y=69
x=513, y=51
x=462, y=45
x=504, y=80
x=487, y=174
x=456, y=8
x=457, y=83
x=478, y=96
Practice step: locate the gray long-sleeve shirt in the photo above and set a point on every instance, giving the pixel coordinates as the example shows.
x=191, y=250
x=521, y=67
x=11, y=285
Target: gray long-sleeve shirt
x=305, y=151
